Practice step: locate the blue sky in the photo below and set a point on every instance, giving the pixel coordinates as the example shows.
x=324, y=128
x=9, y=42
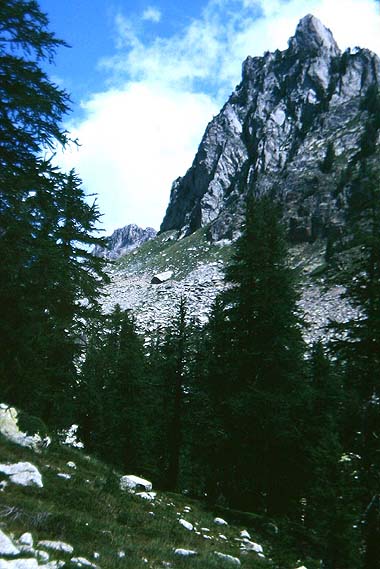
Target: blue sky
x=147, y=76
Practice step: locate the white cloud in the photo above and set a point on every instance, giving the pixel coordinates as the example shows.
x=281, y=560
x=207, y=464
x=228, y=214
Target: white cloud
x=133, y=144
x=141, y=134
x=152, y=14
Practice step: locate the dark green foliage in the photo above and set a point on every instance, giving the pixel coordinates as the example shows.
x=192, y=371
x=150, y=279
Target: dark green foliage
x=46, y=225
x=371, y=532
x=112, y=400
x=254, y=377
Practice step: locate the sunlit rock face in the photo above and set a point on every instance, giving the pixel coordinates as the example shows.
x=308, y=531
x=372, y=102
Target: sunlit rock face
x=272, y=136
x=124, y=240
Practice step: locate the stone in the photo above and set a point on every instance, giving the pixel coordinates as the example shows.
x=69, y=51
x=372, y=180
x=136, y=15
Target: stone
x=56, y=546
x=251, y=546
x=162, y=277
x=7, y=547
x=186, y=525
x=229, y=558
x=22, y=473
x=71, y=464
x=132, y=482
x=30, y=563
x=64, y=475
x=220, y=522
x=147, y=495
x=83, y=562
x=42, y=556
x=26, y=539
x=244, y=533
x=185, y=552
x=9, y=429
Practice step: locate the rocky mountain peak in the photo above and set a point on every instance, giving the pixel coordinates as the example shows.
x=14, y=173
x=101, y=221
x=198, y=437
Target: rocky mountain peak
x=124, y=240
x=312, y=36
x=273, y=134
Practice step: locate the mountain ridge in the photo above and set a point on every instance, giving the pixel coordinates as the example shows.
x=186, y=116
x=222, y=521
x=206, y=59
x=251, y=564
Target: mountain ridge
x=272, y=136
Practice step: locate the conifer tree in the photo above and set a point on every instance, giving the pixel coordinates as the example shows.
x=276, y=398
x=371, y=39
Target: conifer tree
x=47, y=277
x=269, y=387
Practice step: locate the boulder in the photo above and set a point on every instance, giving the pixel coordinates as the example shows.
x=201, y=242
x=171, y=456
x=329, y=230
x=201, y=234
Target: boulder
x=22, y=473
x=162, y=277
x=56, y=546
x=229, y=558
x=133, y=483
x=6, y=545
x=185, y=552
x=186, y=525
x=220, y=522
x=20, y=564
x=9, y=429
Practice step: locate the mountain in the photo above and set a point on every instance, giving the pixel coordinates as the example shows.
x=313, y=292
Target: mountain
x=124, y=240
x=296, y=127
x=294, y=111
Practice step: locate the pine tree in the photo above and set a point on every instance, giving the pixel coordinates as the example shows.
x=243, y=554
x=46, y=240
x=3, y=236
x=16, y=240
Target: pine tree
x=269, y=387
x=113, y=404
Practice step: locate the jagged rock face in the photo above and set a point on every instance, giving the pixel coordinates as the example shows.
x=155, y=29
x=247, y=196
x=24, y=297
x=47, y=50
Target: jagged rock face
x=272, y=136
x=124, y=240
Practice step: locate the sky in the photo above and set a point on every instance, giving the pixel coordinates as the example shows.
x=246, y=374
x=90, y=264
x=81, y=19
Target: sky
x=146, y=76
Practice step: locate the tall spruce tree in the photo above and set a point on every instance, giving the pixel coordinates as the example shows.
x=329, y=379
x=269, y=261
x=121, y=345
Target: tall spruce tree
x=267, y=387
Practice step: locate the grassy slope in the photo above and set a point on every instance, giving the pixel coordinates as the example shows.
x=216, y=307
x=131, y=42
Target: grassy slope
x=165, y=253
x=93, y=515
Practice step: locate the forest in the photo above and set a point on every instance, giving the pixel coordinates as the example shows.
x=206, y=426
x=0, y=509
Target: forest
x=240, y=412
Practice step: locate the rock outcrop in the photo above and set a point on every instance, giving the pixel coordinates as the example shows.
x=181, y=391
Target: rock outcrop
x=273, y=135
x=124, y=240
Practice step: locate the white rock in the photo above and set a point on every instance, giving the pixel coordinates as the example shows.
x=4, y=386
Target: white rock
x=229, y=558
x=42, y=555
x=54, y=565
x=186, y=524
x=82, y=561
x=9, y=428
x=251, y=546
x=185, y=552
x=6, y=545
x=26, y=539
x=64, y=475
x=96, y=555
x=221, y=536
x=22, y=473
x=244, y=533
x=132, y=482
x=207, y=537
x=220, y=522
x=147, y=495
x=56, y=545
x=71, y=464
x=3, y=485
x=162, y=277
x=19, y=564
x=121, y=554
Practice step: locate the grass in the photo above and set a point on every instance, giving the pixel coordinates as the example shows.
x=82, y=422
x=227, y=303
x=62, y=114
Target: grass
x=89, y=512
x=181, y=256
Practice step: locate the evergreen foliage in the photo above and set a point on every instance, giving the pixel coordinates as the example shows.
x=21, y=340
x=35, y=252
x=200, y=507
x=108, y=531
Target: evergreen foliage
x=255, y=381
x=49, y=282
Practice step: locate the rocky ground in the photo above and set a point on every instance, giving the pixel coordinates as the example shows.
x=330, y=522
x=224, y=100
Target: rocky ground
x=154, y=305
